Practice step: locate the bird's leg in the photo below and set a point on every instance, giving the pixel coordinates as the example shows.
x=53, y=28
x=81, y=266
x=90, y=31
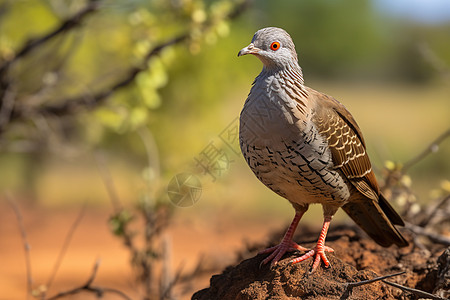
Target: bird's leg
x=286, y=244
x=319, y=249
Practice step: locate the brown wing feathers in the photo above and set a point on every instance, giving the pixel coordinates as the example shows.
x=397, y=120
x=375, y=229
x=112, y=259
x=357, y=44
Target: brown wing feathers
x=346, y=145
x=376, y=216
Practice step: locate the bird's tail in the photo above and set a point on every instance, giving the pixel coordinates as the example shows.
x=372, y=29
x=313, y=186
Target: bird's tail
x=377, y=220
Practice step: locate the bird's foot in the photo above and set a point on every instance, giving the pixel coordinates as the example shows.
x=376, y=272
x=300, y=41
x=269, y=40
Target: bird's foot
x=279, y=250
x=319, y=253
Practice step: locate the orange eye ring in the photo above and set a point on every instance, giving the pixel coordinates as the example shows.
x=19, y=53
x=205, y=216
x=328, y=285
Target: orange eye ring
x=275, y=46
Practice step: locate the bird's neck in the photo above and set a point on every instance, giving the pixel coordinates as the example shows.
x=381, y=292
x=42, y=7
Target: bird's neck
x=293, y=70
x=283, y=89
x=289, y=77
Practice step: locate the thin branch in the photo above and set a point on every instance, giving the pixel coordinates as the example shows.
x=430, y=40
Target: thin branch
x=414, y=291
x=70, y=106
x=152, y=150
x=105, y=174
x=87, y=287
x=88, y=102
x=26, y=245
x=349, y=286
x=7, y=106
x=94, y=273
x=359, y=283
x=433, y=59
x=437, y=238
x=442, y=203
x=68, y=24
x=115, y=202
x=4, y=7
x=166, y=290
x=202, y=267
x=65, y=247
x=432, y=148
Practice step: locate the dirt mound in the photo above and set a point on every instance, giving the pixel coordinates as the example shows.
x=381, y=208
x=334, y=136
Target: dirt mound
x=356, y=258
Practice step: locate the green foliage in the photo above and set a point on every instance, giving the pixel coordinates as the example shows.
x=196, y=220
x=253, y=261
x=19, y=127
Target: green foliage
x=102, y=50
x=350, y=38
x=120, y=221
x=332, y=36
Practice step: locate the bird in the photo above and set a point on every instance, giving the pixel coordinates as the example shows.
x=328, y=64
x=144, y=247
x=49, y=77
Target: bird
x=306, y=147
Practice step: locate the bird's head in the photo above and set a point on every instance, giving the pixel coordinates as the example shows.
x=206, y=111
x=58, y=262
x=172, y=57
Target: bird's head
x=274, y=47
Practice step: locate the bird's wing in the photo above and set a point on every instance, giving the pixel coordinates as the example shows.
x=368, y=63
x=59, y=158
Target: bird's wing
x=346, y=143
x=348, y=151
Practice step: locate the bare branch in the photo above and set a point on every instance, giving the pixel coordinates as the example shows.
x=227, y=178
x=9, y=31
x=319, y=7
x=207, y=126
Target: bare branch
x=202, y=267
x=430, y=216
x=26, y=245
x=7, y=106
x=414, y=291
x=4, y=7
x=359, y=283
x=432, y=148
x=152, y=150
x=349, y=286
x=115, y=201
x=88, y=102
x=166, y=290
x=437, y=238
x=87, y=287
x=65, y=247
x=105, y=174
x=434, y=60
x=94, y=273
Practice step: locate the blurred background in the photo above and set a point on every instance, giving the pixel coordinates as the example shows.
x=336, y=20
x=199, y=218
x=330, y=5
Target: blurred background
x=118, y=129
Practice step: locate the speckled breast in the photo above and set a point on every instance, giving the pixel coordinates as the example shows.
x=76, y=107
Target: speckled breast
x=284, y=150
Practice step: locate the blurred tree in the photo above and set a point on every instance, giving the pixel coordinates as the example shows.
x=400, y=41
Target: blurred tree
x=83, y=54
x=333, y=37
x=83, y=70
x=351, y=38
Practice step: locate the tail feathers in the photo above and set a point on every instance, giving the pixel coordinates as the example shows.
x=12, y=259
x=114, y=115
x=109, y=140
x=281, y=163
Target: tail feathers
x=389, y=211
x=377, y=220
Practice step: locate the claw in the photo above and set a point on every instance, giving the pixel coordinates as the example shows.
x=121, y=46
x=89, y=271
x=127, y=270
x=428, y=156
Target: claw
x=319, y=250
x=286, y=245
x=277, y=252
x=319, y=254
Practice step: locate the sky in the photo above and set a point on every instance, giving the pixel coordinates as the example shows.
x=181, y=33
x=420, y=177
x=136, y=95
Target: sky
x=426, y=11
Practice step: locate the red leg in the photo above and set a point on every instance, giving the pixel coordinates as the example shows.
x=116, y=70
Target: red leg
x=286, y=244
x=319, y=250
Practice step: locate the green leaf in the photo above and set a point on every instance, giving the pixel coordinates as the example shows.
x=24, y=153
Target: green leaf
x=111, y=118
x=138, y=116
x=119, y=221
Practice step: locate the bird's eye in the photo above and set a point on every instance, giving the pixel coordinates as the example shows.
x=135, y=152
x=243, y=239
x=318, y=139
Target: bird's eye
x=275, y=46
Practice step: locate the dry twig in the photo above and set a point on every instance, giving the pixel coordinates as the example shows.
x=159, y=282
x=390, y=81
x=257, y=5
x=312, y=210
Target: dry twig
x=414, y=291
x=432, y=148
x=434, y=237
x=26, y=245
x=441, y=204
x=359, y=283
x=88, y=287
x=64, y=248
x=105, y=174
x=349, y=286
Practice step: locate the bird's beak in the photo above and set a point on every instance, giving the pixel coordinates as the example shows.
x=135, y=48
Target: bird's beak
x=250, y=49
